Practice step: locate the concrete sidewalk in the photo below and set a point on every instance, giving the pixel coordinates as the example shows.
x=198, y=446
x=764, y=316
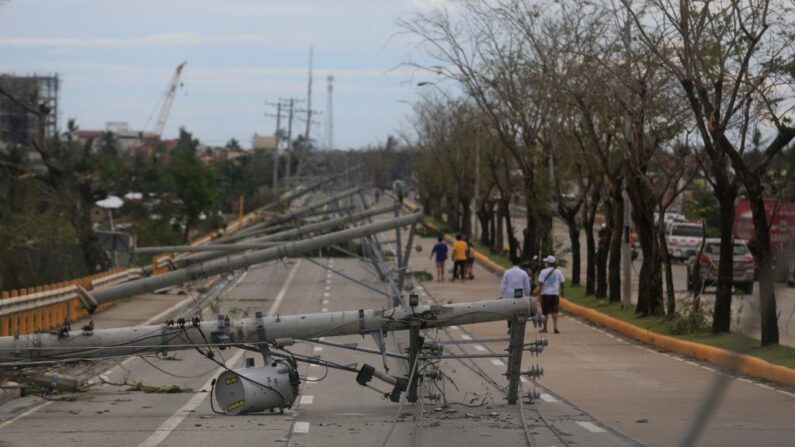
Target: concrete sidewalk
x=615, y=379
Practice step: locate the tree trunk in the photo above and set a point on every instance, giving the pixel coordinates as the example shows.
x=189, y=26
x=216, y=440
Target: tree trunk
x=589, y=215
x=616, y=228
x=590, y=259
x=721, y=321
x=574, y=236
x=499, y=232
x=670, y=296
x=513, y=244
x=530, y=234
x=643, y=204
x=767, y=293
x=601, y=262
x=466, y=217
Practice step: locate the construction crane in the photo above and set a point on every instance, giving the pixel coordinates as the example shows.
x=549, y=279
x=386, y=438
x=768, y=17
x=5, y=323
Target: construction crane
x=168, y=100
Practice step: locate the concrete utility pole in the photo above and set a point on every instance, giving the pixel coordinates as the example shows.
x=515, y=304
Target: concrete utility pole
x=309, y=100
x=240, y=261
x=278, y=136
x=289, y=143
x=260, y=330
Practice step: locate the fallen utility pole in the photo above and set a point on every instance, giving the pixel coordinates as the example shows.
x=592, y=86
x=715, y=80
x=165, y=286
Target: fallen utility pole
x=224, y=332
x=240, y=261
x=282, y=236
x=292, y=215
x=298, y=192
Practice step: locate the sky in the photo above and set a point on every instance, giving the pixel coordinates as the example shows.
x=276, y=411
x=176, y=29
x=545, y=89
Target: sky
x=115, y=59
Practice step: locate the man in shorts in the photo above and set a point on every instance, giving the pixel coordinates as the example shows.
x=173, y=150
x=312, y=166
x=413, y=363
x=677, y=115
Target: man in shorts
x=440, y=250
x=551, y=281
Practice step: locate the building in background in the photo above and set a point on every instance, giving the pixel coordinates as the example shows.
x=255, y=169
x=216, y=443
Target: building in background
x=263, y=142
x=17, y=126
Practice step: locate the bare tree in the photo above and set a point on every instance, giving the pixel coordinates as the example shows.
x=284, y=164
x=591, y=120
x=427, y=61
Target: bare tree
x=733, y=61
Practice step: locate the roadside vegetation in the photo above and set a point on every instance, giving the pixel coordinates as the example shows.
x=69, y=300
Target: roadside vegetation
x=577, y=110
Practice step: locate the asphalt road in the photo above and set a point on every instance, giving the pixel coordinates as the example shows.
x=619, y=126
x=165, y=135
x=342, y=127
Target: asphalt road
x=332, y=408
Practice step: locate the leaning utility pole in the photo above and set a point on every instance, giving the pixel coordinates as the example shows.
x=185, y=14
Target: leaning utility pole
x=278, y=136
x=289, y=143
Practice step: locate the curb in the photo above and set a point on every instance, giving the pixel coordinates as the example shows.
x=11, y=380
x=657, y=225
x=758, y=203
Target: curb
x=742, y=363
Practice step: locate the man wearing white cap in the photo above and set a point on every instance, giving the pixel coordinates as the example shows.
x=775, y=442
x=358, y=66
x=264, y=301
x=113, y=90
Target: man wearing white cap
x=551, y=280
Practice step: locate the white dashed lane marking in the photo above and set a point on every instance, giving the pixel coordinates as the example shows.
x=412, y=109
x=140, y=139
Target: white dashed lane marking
x=497, y=362
x=326, y=294
x=325, y=302
x=318, y=349
x=307, y=400
x=465, y=337
x=591, y=427
x=479, y=348
x=311, y=378
x=548, y=397
x=455, y=328
x=301, y=427
x=325, y=309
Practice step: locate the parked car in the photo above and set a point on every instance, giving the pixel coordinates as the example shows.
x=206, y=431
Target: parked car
x=683, y=239
x=744, y=266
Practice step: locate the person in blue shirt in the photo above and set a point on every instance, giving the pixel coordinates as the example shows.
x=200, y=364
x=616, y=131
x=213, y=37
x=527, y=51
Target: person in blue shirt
x=440, y=250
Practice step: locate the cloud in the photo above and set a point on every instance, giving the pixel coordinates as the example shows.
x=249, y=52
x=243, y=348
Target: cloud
x=167, y=39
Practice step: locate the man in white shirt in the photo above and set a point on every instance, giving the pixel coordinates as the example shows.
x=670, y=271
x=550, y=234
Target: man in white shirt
x=513, y=279
x=551, y=281
x=515, y=284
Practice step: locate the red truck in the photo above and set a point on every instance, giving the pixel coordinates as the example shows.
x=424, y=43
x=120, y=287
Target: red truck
x=781, y=219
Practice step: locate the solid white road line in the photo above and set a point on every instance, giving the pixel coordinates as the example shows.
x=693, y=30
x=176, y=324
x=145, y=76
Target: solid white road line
x=165, y=429
x=301, y=427
x=307, y=400
x=284, y=288
x=591, y=427
x=27, y=413
x=548, y=397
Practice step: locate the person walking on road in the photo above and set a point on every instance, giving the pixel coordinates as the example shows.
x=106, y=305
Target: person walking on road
x=551, y=281
x=470, y=259
x=459, y=258
x=515, y=282
x=440, y=250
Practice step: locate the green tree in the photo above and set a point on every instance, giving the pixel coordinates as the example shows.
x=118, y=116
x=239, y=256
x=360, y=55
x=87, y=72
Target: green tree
x=194, y=183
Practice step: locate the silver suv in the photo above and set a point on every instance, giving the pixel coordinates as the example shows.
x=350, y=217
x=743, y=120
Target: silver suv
x=744, y=265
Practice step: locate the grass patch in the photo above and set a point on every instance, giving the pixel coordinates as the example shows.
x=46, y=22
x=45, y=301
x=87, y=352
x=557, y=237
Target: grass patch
x=740, y=343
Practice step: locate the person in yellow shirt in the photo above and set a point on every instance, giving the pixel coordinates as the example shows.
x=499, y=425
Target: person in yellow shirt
x=460, y=248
